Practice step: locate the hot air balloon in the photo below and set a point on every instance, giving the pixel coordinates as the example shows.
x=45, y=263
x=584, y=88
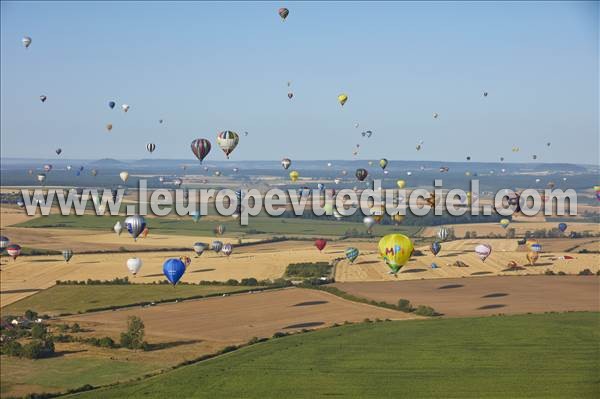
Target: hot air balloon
x=200, y=148
x=109, y=127
x=41, y=177
x=43, y=98
x=436, y=247
x=400, y=183
x=512, y=264
x=58, y=151
x=111, y=104
x=26, y=40
x=227, y=249
x=320, y=244
x=562, y=227
x=361, y=174
x=220, y=230
x=47, y=168
x=383, y=163
x=286, y=162
x=294, y=175
x=160, y=121
x=124, y=176
x=134, y=265
x=177, y=182
x=342, y=98
x=145, y=232
x=535, y=247
x=369, y=222
x=442, y=233
x=395, y=249
x=216, y=246
x=435, y=115
x=150, y=147
x=532, y=257
x=397, y=218
x=67, y=254
x=173, y=270
x=13, y=250
x=195, y=216
x=135, y=225
x=485, y=93
x=351, y=254
x=434, y=265
x=4, y=241
x=290, y=95
x=125, y=107
x=534, y=156
x=483, y=251
x=118, y=228
x=94, y=172
x=199, y=248
x=186, y=260
x=283, y=13
x=504, y=223
x=228, y=140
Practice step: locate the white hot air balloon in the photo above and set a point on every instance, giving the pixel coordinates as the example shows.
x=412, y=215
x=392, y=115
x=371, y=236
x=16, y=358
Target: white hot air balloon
x=125, y=107
x=134, y=265
x=124, y=176
x=26, y=41
x=483, y=251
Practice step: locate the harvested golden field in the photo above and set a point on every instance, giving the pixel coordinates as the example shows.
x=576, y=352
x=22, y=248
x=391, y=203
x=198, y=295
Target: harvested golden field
x=487, y=296
x=237, y=318
x=368, y=267
x=29, y=274
x=520, y=227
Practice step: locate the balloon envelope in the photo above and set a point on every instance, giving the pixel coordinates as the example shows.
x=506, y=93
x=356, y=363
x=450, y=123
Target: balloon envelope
x=320, y=244
x=173, y=270
x=134, y=265
x=395, y=249
x=352, y=254
x=483, y=251
x=67, y=254
x=135, y=225
x=436, y=247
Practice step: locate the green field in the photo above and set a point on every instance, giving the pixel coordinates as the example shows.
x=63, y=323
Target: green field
x=541, y=356
x=80, y=298
x=185, y=226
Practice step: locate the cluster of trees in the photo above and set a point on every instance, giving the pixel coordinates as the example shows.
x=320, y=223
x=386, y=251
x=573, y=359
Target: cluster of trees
x=39, y=345
x=308, y=269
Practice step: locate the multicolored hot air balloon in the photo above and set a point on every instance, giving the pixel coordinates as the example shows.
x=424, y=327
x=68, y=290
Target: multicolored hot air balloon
x=199, y=248
x=4, y=241
x=200, y=148
x=342, y=98
x=483, y=251
x=220, y=229
x=227, y=249
x=216, y=246
x=395, y=249
x=283, y=13
x=361, y=174
x=504, y=223
x=67, y=254
x=173, y=270
x=186, y=261
x=13, y=250
x=320, y=244
x=436, y=247
x=351, y=254
x=135, y=225
x=134, y=265
x=228, y=140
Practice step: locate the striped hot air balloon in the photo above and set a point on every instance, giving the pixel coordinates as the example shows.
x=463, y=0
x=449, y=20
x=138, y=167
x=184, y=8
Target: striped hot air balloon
x=67, y=254
x=13, y=250
x=352, y=254
x=228, y=140
x=150, y=147
x=216, y=246
x=227, y=249
x=200, y=148
x=443, y=233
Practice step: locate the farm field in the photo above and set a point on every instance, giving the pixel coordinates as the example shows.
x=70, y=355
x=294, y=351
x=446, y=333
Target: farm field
x=488, y=295
x=520, y=226
x=451, y=358
x=61, y=299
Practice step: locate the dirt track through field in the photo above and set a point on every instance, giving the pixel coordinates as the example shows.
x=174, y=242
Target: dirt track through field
x=237, y=318
x=488, y=295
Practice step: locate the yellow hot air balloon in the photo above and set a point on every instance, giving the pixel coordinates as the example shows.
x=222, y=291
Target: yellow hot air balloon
x=342, y=98
x=400, y=183
x=398, y=218
x=377, y=213
x=596, y=188
x=294, y=175
x=395, y=249
x=504, y=223
x=532, y=257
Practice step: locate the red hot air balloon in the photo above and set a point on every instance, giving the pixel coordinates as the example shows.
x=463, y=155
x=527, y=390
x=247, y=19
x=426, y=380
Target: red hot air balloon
x=13, y=251
x=200, y=148
x=320, y=244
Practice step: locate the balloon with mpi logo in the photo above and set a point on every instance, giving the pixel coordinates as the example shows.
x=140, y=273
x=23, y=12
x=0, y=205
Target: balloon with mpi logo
x=395, y=249
x=173, y=269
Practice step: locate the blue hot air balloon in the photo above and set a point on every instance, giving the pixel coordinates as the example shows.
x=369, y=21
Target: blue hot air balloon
x=562, y=227
x=436, y=247
x=352, y=254
x=111, y=104
x=173, y=269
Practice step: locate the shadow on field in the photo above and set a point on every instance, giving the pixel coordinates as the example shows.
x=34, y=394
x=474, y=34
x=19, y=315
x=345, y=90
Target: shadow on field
x=63, y=353
x=202, y=270
x=172, y=344
x=20, y=291
x=480, y=273
x=449, y=286
x=367, y=262
x=154, y=275
x=46, y=260
x=91, y=261
x=414, y=271
x=495, y=295
x=544, y=264
x=311, y=303
x=304, y=325
x=513, y=269
x=451, y=254
x=493, y=306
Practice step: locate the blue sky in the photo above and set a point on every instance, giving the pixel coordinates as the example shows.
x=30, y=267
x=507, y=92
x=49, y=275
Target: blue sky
x=206, y=67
